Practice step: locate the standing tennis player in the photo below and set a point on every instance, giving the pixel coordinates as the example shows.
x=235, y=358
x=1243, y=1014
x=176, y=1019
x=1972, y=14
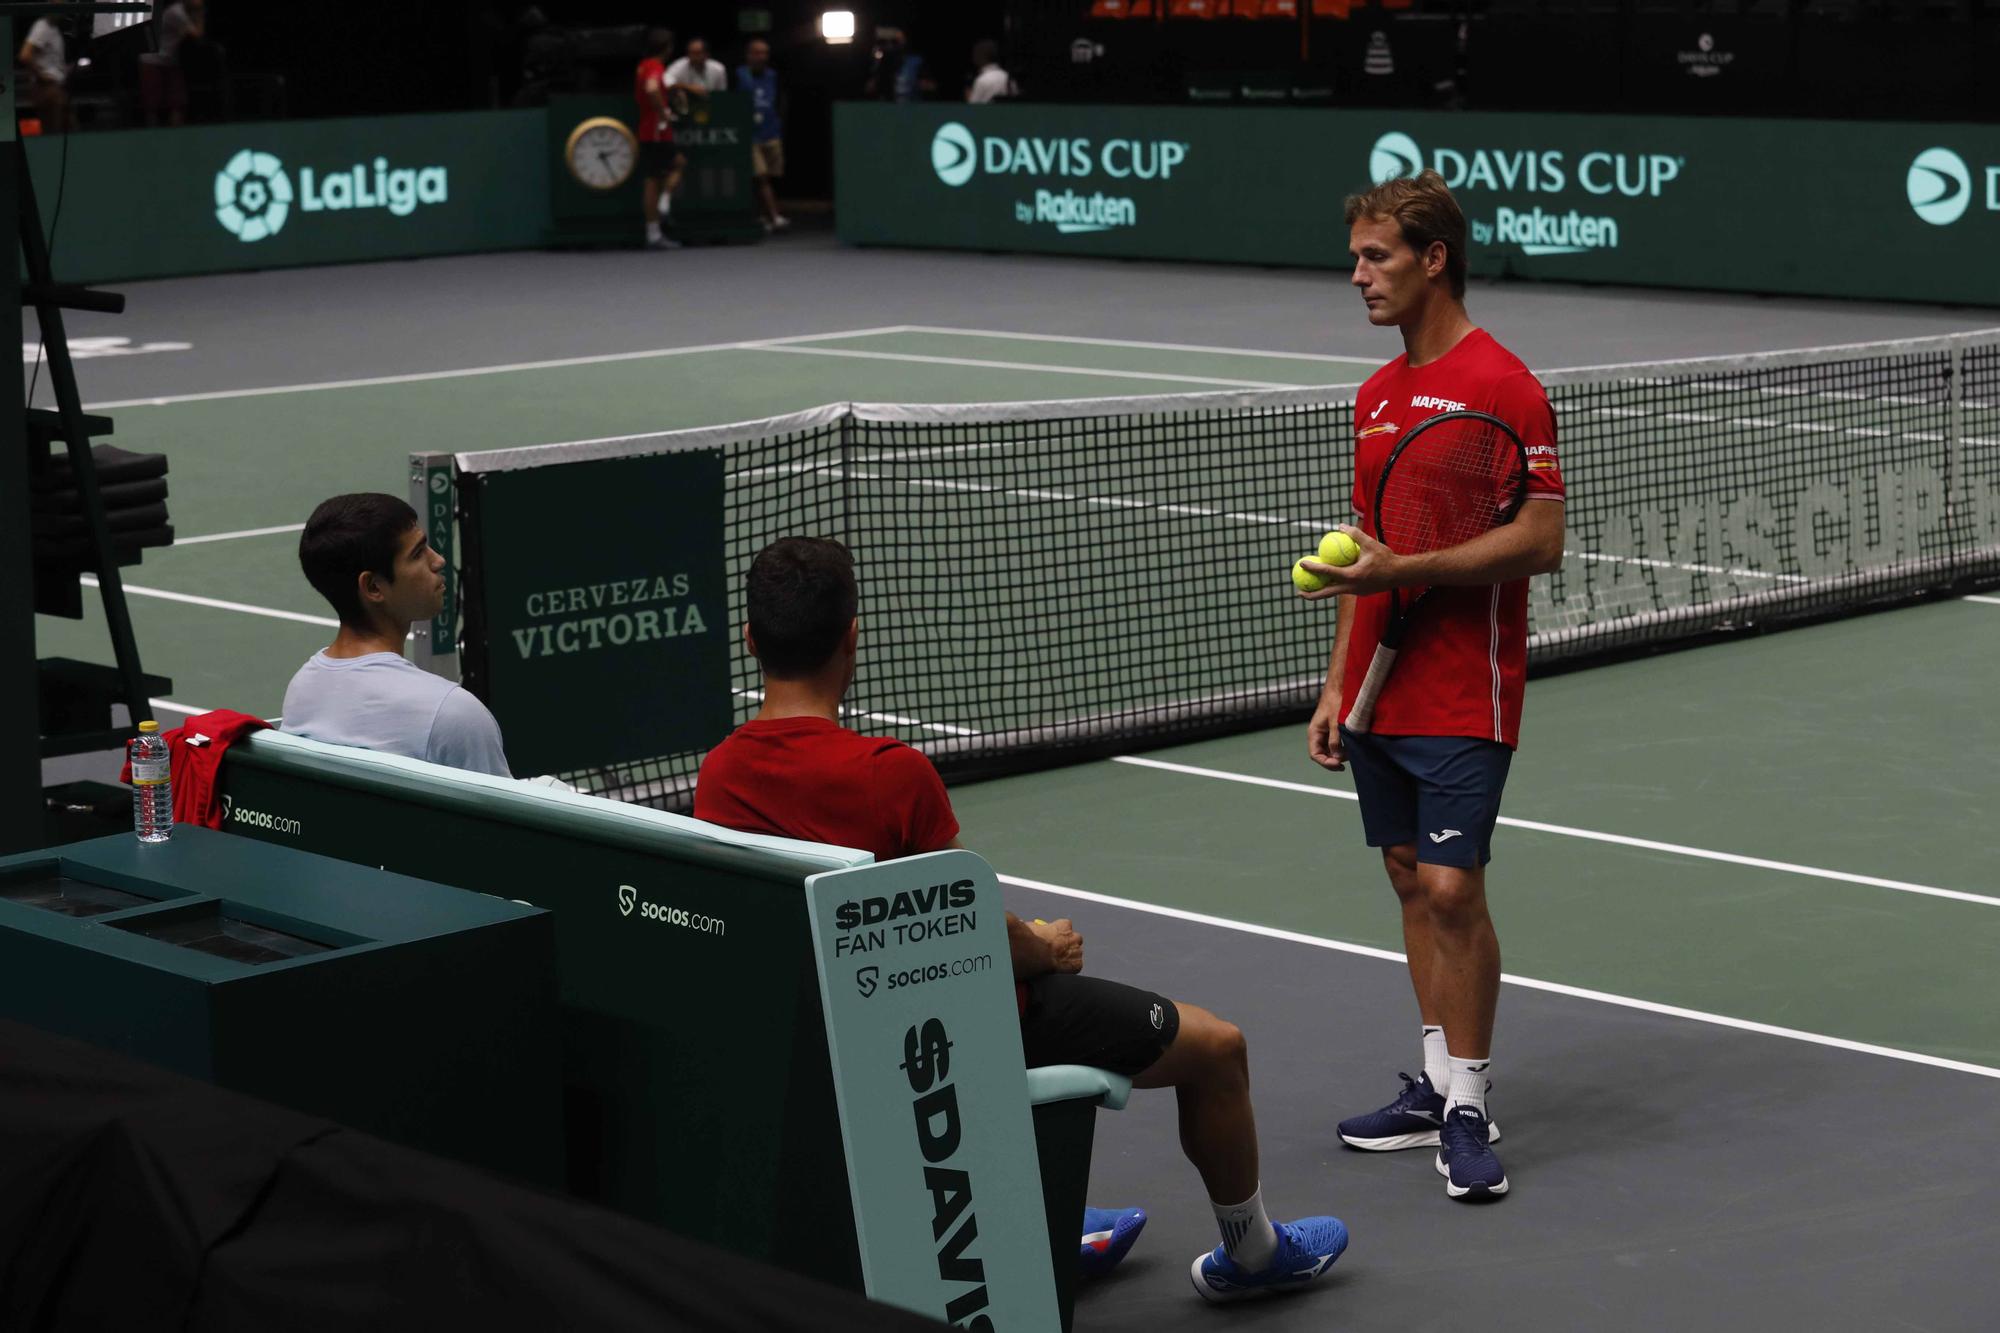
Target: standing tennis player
x=1430, y=763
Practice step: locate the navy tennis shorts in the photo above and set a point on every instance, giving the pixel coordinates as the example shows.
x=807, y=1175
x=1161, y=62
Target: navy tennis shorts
x=1441, y=793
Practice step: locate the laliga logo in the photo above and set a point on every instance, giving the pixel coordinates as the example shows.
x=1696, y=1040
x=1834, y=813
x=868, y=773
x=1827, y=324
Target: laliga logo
x=252, y=196
x=1395, y=154
x=954, y=155
x=1939, y=186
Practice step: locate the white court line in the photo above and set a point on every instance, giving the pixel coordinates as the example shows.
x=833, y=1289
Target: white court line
x=1323, y=357
x=1591, y=835
x=893, y=719
x=1018, y=365
x=169, y=706
x=247, y=532
x=1527, y=983
x=423, y=376
x=90, y=581
x=1990, y=601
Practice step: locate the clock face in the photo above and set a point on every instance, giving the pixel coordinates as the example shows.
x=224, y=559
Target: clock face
x=602, y=155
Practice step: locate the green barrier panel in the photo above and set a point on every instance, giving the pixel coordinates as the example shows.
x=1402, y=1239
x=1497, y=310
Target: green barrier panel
x=599, y=630
x=1814, y=207
x=277, y=194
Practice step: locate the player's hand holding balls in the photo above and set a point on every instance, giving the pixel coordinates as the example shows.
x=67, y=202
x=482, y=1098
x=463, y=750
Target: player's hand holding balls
x=1337, y=549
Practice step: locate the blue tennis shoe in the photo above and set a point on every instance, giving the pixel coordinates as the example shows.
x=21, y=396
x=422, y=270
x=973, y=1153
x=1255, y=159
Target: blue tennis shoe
x=1411, y=1121
x=1465, y=1157
x=1306, y=1250
x=1108, y=1235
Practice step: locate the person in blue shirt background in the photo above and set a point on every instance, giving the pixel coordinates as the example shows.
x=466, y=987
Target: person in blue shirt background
x=898, y=74
x=767, y=135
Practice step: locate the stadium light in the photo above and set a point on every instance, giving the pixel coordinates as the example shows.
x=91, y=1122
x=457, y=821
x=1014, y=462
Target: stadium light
x=837, y=26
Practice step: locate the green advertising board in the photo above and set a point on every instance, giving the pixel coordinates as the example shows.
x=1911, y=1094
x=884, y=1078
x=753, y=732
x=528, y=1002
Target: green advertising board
x=215, y=198
x=604, y=630
x=917, y=985
x=1814, y=207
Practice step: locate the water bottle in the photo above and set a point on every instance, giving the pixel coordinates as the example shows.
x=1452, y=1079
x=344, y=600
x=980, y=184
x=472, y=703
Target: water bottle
x=152, y=785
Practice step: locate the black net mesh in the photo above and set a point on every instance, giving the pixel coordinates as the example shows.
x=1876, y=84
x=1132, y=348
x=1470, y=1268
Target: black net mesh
x=1046, y=582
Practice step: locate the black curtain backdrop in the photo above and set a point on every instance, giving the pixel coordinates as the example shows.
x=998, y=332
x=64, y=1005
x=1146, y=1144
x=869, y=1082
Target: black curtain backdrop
x=138, y=1200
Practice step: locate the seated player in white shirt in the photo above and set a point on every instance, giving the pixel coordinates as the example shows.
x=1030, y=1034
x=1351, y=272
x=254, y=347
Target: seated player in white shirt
x=369, y=557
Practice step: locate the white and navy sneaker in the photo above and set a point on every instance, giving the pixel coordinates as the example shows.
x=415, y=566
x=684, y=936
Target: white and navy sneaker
x=1411, y=1121
x=1306, y=1250
x=1465, y=1157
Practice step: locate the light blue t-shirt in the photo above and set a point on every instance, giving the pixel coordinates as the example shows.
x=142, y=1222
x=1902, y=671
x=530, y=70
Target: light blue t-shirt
x=383, y=701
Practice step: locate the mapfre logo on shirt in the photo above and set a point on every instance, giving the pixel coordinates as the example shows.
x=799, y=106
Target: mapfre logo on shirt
x=1437, y=404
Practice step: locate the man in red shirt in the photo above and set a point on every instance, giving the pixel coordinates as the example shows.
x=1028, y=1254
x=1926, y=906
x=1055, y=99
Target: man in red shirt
x=1430, y=770
x=793, y=770
x=660, y=162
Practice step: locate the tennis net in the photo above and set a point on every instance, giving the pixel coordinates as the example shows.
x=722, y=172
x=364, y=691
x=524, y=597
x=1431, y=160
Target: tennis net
x=1042, y=582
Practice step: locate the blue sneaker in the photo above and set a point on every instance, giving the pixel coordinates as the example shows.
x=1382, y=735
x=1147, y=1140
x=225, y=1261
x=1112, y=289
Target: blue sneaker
x=1411, y=1121
x=1466, y=1160
x=1306, y=1249
x=1108, y=1235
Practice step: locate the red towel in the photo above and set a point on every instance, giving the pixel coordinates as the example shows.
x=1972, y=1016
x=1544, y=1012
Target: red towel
x=195, y=750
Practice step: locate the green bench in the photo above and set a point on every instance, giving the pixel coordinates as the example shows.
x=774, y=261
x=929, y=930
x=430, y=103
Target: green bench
x=698, y=1088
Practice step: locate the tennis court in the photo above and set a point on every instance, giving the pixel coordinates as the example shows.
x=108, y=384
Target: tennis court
x=1749, y=1058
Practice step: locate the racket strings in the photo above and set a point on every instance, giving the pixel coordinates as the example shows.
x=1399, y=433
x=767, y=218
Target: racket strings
x=1451, y=484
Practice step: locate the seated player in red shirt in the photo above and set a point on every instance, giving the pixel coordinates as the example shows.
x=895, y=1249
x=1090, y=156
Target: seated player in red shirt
x=793, y=770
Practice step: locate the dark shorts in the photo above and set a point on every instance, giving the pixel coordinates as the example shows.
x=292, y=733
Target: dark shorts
x=1441, y=793
x=1079, y=1020
x=657, y=159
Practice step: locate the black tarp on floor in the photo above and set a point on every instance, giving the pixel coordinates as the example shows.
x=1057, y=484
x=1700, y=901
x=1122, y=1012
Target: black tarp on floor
x=134, y=1199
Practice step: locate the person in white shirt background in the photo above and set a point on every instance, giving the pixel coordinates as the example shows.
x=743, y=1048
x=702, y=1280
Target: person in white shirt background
x=695, y=74
x=43, y=54
x=992, y=83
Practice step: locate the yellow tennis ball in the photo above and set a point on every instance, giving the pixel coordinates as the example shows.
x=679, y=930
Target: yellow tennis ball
x=1337, y=548
x=1304, y=579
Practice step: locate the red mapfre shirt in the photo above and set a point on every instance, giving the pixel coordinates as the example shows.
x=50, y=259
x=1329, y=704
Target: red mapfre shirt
x=652, y=78
x=808, y=778
x=1464, y=666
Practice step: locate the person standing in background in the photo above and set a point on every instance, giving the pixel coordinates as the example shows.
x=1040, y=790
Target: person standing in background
x=660, y=161
x=694, y=74
x=767, y=116
x=992, y=83
x=162, y=80
x=47, y=82
x=898, y=74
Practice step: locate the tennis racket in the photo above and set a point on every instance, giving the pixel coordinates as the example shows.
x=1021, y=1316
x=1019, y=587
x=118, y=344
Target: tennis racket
x=1457, y=476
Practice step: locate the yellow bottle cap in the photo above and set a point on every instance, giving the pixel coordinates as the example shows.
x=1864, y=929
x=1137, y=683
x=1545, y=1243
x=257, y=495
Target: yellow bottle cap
x=149, y=727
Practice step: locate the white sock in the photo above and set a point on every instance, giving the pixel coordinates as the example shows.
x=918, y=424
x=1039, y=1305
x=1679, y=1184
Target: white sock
x=652, y=231
x=1468, y=1084
x=1437, y=1060
x=1248, y=1237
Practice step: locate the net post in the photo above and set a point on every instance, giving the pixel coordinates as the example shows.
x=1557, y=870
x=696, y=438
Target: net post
x=434, y=495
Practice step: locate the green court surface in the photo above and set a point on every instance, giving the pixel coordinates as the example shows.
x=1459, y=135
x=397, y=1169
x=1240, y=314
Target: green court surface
x=1786, y=831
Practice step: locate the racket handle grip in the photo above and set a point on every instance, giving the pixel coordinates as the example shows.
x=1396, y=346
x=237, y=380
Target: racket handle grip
x=1362, y=714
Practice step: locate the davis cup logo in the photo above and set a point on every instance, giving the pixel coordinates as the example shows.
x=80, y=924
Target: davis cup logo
x=1939, y=186
x=1395, y=154
x=252, y=196
x=954, y=154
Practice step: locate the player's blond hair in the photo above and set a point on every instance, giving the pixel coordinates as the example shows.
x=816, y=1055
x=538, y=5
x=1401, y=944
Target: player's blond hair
x=1423, y=206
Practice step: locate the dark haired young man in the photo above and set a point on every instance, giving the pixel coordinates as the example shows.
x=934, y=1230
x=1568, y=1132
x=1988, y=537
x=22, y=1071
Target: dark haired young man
x=1430, y=771
x=369, y=557
x=793, y=770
